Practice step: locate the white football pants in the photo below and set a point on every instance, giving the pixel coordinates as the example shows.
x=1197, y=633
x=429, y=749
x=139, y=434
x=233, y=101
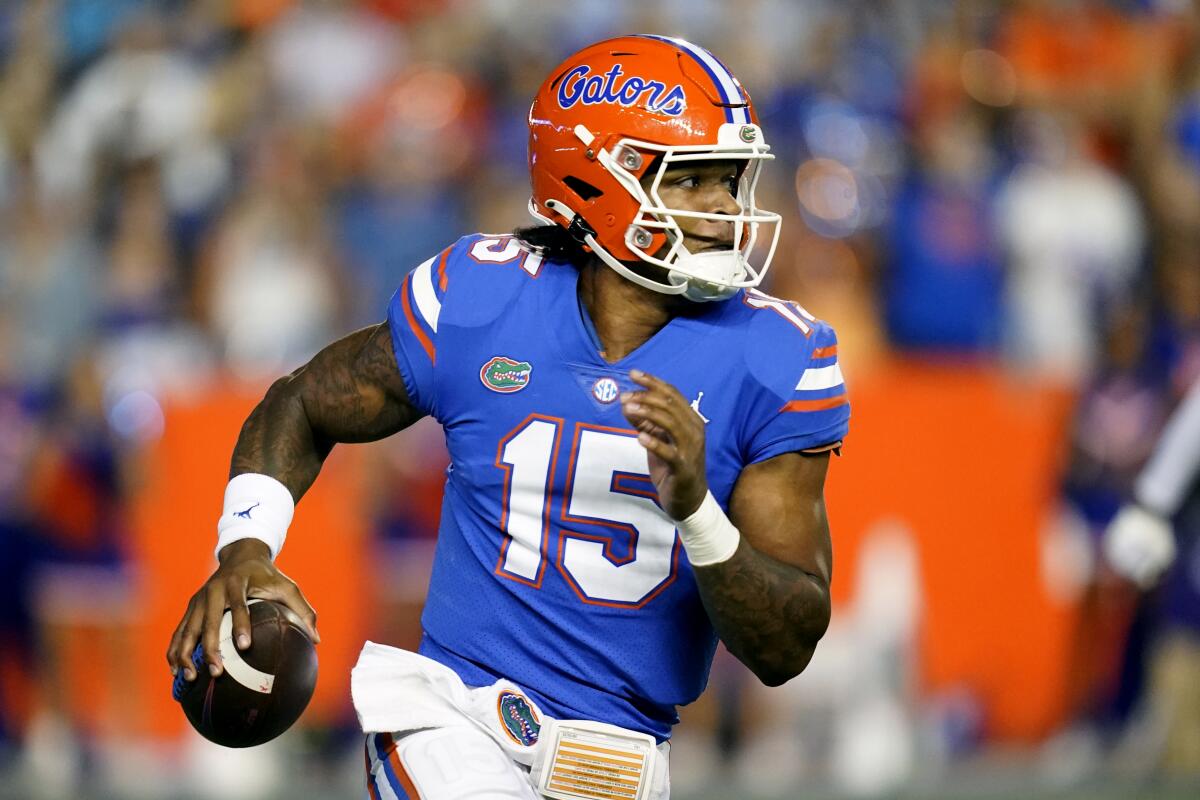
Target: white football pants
x=458, y=763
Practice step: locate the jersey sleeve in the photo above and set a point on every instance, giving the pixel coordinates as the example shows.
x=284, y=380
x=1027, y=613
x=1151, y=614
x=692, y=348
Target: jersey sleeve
x=453, y=295
x=800, y=402
x=413, y=315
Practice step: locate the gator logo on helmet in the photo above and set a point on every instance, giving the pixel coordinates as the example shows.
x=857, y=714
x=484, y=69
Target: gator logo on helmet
x=518, y=718
x=581, y=85
x=748, y=133
x=505, y=375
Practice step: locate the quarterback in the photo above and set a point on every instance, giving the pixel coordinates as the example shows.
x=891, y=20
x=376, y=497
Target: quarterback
x=639, y=440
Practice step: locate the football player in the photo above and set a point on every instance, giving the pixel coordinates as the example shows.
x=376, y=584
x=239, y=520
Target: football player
x=639, y=441
x=1140, y=541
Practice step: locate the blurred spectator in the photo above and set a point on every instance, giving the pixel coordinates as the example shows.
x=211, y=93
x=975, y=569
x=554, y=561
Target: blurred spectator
x=20, y=433
x=88, y=27
x=141, y=101
x=142, y=281
x=1174, y=670
x=49, y=286
x=77, y=481
x=147, y=345
x=943, y=290
x=268, y=284
x=1177, y=330
x=407, y=148
x=327, y=55
x=1085, y=57
x=80, y=587
x=1118, y=418
x=1073, y=233
x=27, y=87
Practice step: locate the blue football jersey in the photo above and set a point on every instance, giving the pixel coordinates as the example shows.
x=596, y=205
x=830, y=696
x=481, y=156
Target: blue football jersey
x=555, y=567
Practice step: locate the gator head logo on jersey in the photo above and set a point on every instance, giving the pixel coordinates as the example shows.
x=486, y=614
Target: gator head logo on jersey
x=505, y=375
x=518, y=718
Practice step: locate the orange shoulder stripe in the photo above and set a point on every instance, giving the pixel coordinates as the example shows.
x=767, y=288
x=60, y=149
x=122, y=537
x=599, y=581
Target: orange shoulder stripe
x=442, y=280
x=815, y=405
x=825, y=352
x=412, y=321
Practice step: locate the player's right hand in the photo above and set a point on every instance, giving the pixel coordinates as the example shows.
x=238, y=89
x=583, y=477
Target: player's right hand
x=246, y=571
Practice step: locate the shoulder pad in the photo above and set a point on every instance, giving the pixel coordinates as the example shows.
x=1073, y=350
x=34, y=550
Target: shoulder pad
x=781, y=341
x=481, y=274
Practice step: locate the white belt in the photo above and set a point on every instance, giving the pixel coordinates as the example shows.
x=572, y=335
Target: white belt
x=397, y=690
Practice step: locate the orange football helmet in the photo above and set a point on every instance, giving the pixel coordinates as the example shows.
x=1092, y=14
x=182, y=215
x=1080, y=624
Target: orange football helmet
x=618, y=108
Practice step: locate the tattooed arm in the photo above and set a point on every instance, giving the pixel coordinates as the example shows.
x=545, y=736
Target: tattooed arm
x=769, y=602
x=350, y=392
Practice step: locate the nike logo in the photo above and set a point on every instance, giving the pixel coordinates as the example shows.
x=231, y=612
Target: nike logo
x=696, y=407
x=246, y=514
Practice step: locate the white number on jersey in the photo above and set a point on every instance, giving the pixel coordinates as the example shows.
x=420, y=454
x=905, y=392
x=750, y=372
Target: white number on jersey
x=792, y=312
x=602, y=492
x=503, y=249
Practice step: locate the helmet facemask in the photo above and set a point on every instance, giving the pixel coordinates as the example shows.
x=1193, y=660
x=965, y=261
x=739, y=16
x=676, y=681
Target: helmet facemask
x=703, y=276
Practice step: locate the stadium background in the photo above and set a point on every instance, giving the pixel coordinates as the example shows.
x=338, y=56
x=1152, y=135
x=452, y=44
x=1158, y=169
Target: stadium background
x=997, y=205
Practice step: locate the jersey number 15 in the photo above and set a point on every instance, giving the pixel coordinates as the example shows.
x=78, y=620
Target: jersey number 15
x=608, y=502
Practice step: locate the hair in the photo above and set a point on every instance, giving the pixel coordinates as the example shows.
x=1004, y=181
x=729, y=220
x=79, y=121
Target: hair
x=554, y=243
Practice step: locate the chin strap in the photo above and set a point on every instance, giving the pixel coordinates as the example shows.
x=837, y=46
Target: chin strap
x=698, y=289
x=680, y=284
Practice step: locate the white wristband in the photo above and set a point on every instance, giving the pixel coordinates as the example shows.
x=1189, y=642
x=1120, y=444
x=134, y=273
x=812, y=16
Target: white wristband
x=256, y=507
x=707, y=535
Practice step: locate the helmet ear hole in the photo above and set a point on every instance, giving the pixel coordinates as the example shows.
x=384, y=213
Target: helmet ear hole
x=582, y=188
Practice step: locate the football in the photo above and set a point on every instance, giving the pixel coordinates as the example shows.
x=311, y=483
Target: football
x=263, y=690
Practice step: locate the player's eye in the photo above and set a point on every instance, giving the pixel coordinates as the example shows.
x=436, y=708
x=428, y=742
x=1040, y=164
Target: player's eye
x=687, y=181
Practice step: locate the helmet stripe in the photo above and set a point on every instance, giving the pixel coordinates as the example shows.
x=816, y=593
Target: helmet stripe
x=721, y=77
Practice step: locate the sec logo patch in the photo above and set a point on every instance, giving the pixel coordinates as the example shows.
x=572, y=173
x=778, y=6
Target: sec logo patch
x=605, y=390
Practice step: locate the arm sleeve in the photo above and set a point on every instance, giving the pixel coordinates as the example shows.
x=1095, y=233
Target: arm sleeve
x=1166, y=478
x=413, y=314
x=801, y=402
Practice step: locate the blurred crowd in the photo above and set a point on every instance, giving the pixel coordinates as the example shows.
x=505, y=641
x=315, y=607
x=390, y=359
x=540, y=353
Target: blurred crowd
x=203, y=190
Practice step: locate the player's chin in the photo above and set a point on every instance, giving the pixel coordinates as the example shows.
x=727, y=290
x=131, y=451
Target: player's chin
x=697, y=246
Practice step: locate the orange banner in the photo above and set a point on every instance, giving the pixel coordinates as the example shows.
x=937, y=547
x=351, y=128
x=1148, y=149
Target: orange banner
x=966, y=459
x=962, y=457
x=326, y=551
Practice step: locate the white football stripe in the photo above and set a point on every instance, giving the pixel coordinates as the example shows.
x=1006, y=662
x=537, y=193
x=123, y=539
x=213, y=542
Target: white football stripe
x=820, y=378
x=423, y=292
x=235, y=665
x=724, y=79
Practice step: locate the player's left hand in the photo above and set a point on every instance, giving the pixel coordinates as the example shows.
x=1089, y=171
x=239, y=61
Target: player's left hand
x=673, y=435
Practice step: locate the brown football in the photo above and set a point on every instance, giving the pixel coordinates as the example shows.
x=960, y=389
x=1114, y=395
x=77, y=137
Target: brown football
x=264, y=688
